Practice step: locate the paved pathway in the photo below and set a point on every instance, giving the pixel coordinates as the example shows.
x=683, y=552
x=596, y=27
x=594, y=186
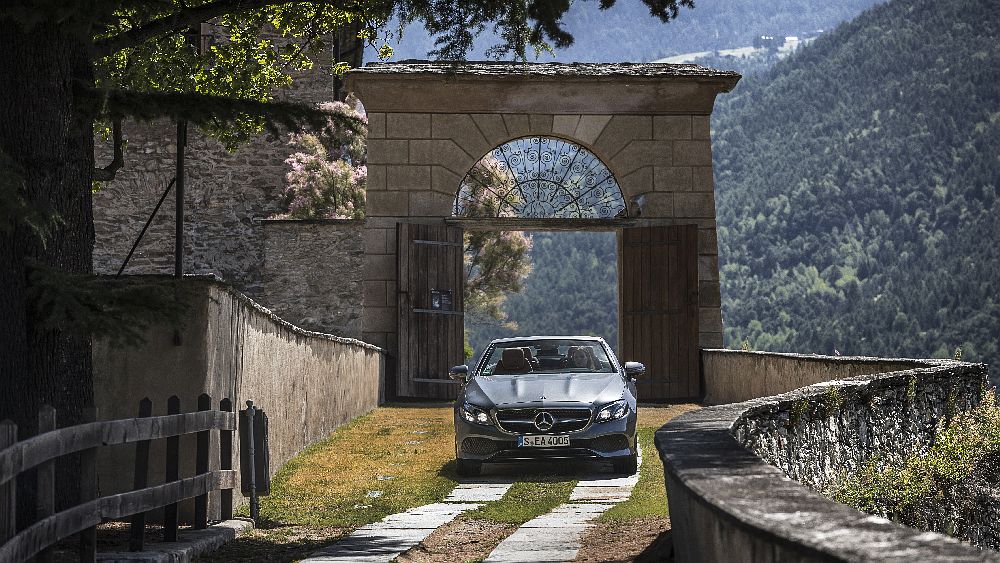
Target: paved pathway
x=551, y=537
x=555, y=536
x=384, y=541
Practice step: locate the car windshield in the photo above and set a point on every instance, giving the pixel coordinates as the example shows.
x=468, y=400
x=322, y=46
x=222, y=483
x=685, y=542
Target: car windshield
x=546, y=357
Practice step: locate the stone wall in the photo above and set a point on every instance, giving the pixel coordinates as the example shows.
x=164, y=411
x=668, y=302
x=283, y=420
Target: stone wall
x=308, y=383
x=818, y=434
x=312, y=274
x=733, y=376
x=227, y=194
x=728, y=504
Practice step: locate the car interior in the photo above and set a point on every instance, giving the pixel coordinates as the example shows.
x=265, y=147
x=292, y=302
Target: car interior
x=546, y=358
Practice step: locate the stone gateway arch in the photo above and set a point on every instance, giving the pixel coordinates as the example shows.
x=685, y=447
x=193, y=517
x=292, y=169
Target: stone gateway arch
x=513, y=146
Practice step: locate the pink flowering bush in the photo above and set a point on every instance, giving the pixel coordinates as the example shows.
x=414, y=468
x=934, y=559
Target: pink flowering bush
x=327, y=174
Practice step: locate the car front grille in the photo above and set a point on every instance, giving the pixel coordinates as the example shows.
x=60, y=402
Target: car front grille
x=478, y=446
x=610, y=443
x=522, y=421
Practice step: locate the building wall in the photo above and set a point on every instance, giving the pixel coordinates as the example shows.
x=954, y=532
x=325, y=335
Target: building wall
x=308, y=383
x=227, y=195
x=416, y=162
x=313, y=274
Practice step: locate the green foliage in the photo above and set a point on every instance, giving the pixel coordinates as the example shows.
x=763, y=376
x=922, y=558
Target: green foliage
x=251, y=50
x=120, y=310
x=572, y=289
x=800, y=408
x=927, y=491
x=865, y=216
x=496, y=264
x=832, y=401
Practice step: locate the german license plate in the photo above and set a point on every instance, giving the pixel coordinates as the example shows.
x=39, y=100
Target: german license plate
x=542, y=441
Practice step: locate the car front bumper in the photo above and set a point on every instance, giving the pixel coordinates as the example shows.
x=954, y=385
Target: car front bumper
x=487, y=443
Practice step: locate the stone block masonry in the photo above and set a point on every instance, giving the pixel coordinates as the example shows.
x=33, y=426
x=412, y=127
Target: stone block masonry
x=313, y=272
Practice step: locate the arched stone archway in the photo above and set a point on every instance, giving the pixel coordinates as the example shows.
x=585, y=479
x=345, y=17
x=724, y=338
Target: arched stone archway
x=540, y=177
x=430, y=123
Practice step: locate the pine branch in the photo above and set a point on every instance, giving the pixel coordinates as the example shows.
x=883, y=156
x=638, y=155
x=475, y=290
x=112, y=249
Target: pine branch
x=108, y=173
x=184, y=19
x=205, y=110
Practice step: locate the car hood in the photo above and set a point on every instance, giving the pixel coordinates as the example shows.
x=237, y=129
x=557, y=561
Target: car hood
x=546, y=390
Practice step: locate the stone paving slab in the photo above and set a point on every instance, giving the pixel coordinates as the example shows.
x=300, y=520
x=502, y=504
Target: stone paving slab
x=383, y=541
x=554, y=536
x=478, y=492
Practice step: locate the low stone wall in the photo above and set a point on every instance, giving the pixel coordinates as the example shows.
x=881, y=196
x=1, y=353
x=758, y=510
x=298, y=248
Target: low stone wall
x=733, y=376
x=308, y=383
x=312, y=273
x=728, y=504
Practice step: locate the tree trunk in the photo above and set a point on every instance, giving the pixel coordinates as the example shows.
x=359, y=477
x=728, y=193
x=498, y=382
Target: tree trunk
x=52, y=150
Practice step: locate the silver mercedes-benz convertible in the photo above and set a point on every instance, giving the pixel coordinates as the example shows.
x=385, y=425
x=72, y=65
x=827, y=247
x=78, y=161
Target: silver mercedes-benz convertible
x=543, y=398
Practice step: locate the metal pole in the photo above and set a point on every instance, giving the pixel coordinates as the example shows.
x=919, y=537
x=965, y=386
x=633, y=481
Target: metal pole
x=179, y=193
x=254, y=501
x=145, y=227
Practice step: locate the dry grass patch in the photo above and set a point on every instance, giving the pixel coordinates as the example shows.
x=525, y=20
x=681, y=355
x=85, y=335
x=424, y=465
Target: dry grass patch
x=388, y=461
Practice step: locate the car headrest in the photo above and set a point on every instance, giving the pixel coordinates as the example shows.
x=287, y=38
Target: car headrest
x=513, y=359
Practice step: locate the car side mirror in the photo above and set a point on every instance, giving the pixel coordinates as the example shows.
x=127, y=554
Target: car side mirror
x=459, y=373
x=634, y=369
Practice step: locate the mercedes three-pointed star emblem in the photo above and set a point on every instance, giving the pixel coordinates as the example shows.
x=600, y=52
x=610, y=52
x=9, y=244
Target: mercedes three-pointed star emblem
x=544, y=421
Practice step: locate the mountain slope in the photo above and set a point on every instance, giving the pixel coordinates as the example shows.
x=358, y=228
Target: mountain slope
x=857, y=189
x=627, y=32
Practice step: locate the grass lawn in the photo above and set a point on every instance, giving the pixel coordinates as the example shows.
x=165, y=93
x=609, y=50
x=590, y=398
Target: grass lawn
x=649, y=497
x=531, y=496
x=390, y=460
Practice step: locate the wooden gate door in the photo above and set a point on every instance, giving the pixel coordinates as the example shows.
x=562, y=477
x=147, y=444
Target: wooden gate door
x=658, y=306
x=431, y=319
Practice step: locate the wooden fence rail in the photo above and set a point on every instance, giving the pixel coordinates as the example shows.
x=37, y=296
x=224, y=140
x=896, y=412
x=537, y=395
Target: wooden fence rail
x=43, y=451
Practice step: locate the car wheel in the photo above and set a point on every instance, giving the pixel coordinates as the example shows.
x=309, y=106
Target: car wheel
x=469, y=468
x=627, y=466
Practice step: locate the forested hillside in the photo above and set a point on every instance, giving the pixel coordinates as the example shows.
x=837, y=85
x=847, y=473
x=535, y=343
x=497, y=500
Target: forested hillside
x=857, y=189
x=572, y=289
x=626, y=32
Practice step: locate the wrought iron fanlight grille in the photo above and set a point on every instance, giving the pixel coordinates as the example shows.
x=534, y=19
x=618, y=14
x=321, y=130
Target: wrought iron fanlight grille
x=540, y=177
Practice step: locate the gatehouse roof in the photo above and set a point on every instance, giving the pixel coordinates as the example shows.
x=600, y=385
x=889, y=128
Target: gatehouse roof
x=499, y=69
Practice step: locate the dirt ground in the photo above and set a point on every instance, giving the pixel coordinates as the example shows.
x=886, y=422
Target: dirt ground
x=464, y=539
x=642, y=540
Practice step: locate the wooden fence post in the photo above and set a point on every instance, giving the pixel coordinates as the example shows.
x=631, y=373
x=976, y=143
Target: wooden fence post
x=45, y=493
x=8, y=500
x=201, y=466
x=226, y=462
x=172, y=474
x=88, y=491
x=140, y=479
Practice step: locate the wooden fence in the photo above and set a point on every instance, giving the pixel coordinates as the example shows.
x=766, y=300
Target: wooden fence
x=42, y=452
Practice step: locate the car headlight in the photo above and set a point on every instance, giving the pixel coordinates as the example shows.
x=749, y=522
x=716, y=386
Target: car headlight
x=476, y=415
x=613, y=411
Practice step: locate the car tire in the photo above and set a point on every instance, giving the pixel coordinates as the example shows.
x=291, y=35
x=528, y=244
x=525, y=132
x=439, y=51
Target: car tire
x=627, y=466
x=469, y=468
